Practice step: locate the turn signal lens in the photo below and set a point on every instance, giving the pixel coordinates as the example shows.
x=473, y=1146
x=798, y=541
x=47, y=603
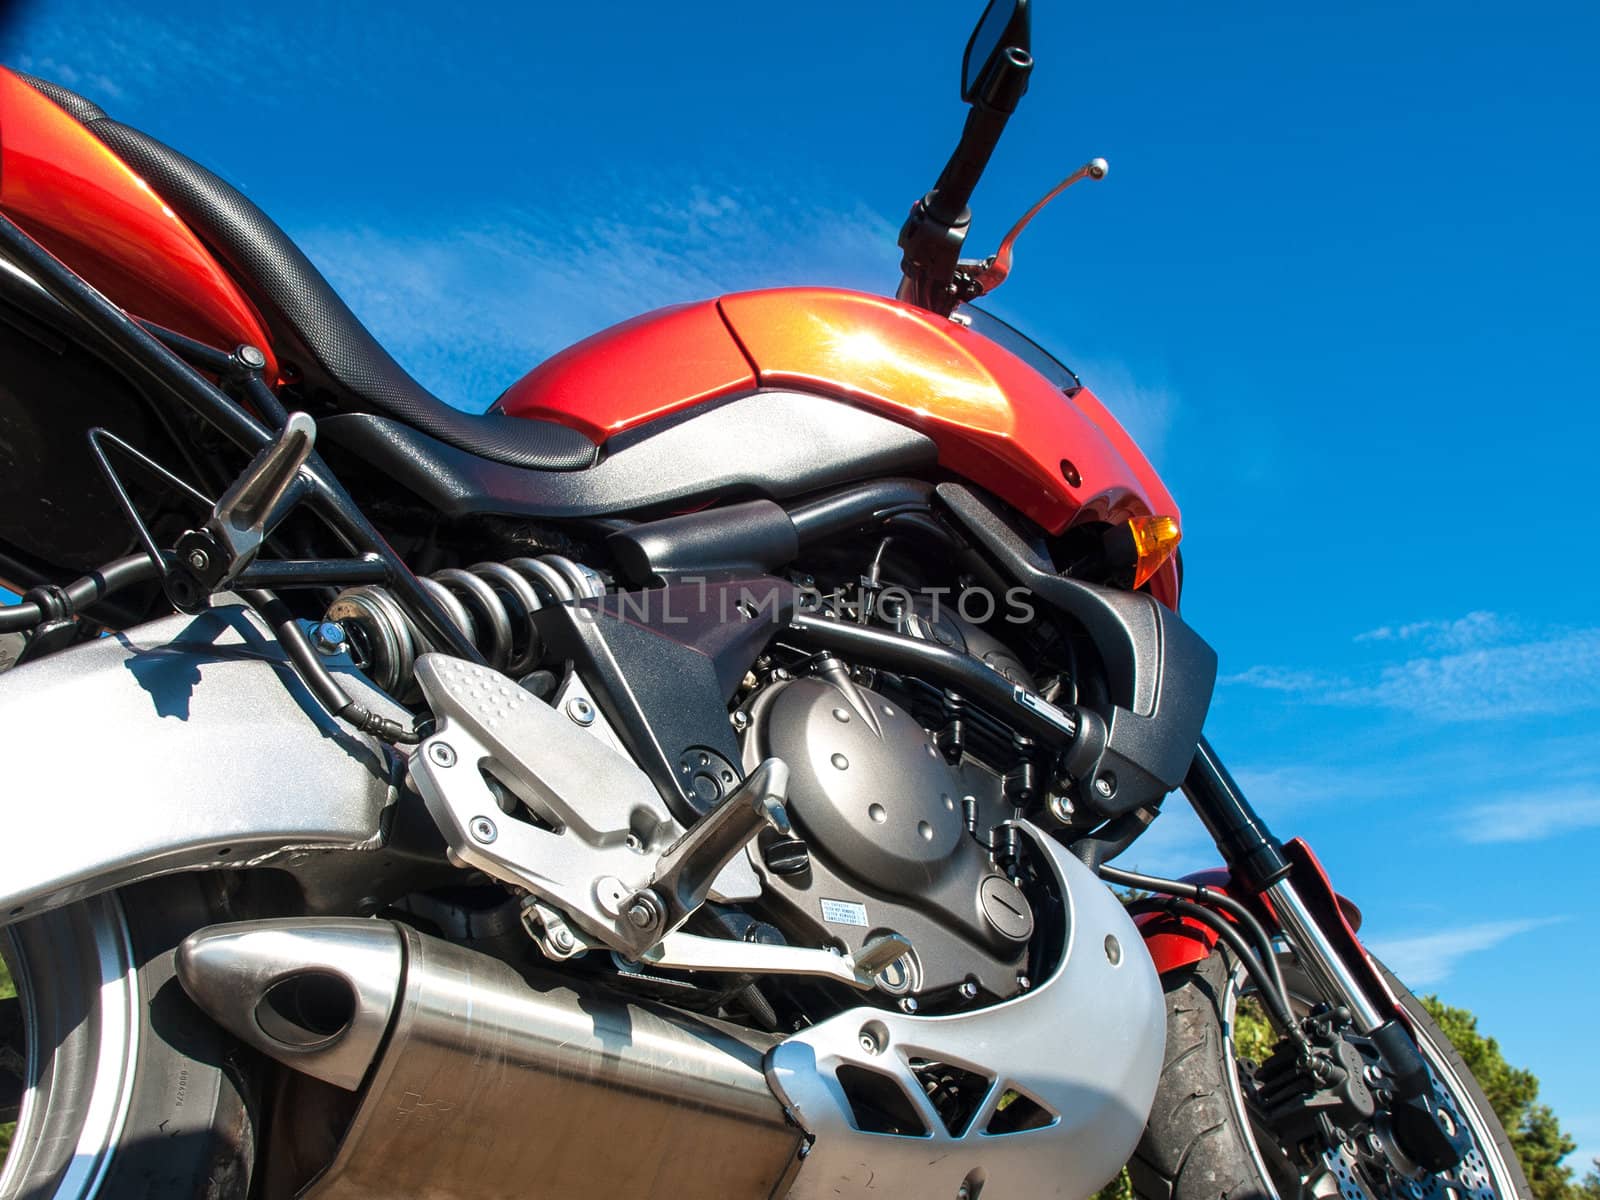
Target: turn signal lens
x=1154, y=539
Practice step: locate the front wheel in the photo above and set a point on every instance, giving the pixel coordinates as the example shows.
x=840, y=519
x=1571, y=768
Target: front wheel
x=1207, y=1137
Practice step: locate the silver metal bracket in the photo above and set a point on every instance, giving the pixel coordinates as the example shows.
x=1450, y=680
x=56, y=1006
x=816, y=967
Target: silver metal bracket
x=584, y=813
x=685, y=872
x=582, y=828
x=690, y=952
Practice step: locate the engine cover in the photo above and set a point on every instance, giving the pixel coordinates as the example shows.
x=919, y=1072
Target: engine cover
x=883, y=815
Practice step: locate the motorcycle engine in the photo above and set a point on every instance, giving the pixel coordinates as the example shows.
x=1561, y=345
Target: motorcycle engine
x=896, y=830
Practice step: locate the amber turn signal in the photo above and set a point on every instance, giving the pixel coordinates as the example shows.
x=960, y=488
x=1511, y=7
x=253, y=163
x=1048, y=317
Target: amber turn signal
x=1154, y=539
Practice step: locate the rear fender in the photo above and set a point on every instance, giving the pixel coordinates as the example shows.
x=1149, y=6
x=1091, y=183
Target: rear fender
x=182, y=744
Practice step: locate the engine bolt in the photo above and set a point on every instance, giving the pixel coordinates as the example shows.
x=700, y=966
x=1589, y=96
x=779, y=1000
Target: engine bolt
x=199, y=560
x=868, y=1042
x=741, y=720
x=561, y=939
x=442, y=754
x=1024, y=982
x=1106, y=785
x=908, y=1004
x=969, y=990
x=1061, y=808
x=328, y=637
x=580, y=710
x=643, y=911
x=483, y=830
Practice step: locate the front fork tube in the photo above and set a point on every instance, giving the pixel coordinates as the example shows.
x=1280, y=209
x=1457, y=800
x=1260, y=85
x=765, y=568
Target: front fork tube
x=1257, y=860
x=1260, y=864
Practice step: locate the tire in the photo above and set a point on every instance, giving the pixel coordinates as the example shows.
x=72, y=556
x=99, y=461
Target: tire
x=1200, y=1143
x=127, y=1089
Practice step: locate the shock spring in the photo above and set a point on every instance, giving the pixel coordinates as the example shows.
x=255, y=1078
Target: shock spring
x=491, y=602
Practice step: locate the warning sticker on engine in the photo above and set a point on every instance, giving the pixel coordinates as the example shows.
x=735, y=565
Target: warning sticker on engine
x=843, y=912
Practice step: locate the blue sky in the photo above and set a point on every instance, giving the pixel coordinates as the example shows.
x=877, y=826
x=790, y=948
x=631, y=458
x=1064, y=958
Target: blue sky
x=1341, y=282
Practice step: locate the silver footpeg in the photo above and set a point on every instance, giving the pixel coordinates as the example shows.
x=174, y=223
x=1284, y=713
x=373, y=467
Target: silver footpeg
x=603, y=860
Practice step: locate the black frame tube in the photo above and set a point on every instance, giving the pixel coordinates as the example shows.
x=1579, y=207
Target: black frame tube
x=80, y=593
x=960, y=672
x=150, y=360
x=319, y=572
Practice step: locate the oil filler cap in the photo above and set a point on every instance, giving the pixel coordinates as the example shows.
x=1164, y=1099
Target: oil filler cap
x=1006, y=908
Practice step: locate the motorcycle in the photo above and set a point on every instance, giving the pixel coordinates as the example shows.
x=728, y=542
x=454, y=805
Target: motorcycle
x=701, y=774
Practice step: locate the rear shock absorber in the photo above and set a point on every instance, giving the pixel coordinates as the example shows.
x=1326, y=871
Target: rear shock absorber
x=492, y=603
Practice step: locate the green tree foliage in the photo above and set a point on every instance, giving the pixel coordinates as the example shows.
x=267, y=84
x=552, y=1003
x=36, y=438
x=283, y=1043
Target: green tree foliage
x=1513, y=1093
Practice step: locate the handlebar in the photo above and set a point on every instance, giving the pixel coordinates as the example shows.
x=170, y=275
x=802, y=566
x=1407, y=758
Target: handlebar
x=931, y=239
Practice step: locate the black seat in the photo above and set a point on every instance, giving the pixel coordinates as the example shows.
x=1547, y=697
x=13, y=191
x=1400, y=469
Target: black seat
x=312, y=326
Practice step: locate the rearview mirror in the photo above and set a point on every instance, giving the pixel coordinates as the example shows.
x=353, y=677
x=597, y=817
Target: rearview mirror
x=1003, y=27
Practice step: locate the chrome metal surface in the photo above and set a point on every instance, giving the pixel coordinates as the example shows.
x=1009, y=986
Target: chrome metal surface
x=1321, y=958
x=495, y=1086
x=233, y=971
x=1085, y=1045
x=602, y=822
x=69, y=1160
x=239, y=519
x=998, y=267
x=186, y=743
x=691, y=952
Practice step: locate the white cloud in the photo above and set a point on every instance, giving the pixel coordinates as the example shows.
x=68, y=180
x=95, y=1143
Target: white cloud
x=1531, y=818
x=1559, y=674
x=140, y=52
x=473, y=304
x=1464, y=633
x=1278, y=679
x=1555, y=672
x=1425, y=959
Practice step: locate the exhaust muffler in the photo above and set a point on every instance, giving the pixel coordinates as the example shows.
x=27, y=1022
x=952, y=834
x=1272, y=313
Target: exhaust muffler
x=482, y=1083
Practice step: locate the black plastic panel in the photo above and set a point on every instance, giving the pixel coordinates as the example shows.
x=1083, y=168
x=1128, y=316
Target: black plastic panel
x=769, y=444
x=1159, y=671
x=663, y=664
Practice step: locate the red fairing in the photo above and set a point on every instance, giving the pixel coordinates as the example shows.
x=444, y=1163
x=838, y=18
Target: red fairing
x=995, y=420
x=83, y=204
x=643, y=369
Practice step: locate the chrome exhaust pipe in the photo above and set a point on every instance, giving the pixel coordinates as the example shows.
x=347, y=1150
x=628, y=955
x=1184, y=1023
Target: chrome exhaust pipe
x=480, y=1083
x=315, y=993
